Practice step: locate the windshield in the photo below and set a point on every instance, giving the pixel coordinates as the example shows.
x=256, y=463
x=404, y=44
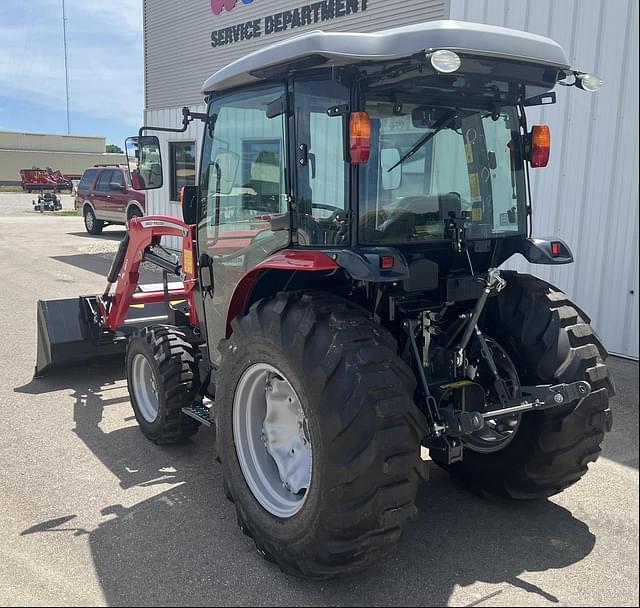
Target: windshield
x=431, y=165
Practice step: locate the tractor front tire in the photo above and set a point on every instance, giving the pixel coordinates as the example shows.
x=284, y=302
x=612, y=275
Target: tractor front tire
x=550, y=341
x=161, y=368
x=354, y=398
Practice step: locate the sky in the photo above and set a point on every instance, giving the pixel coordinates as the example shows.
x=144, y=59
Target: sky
x=106, y=69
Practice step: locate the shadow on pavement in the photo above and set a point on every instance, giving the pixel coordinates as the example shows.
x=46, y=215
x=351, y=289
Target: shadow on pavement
x=183, y=546
x=99, y=263
x=109, y=235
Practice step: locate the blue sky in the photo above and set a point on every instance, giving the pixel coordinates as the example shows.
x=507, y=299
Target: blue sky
x=104, y=41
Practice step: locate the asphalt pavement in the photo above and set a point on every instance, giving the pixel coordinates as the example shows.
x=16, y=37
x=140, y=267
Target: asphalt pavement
x=94, y=514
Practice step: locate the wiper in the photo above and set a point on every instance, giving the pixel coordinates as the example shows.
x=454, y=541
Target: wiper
x=443, y=123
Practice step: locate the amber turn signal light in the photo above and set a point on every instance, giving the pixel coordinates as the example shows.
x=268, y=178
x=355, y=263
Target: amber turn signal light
x=540, y=146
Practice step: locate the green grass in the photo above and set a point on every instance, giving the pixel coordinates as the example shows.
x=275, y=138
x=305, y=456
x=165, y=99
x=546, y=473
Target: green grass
x=66, y=213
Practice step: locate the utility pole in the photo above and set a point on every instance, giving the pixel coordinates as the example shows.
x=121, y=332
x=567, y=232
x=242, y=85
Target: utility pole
x=66, y=66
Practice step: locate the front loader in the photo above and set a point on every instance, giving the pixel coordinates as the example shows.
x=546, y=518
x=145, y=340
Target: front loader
x=339, y=301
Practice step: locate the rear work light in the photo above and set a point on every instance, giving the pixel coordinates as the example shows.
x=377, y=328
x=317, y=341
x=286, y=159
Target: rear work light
x=540, y=146
x=359, y=137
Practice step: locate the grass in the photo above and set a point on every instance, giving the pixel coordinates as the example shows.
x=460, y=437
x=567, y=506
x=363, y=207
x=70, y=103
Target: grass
x=10, y=189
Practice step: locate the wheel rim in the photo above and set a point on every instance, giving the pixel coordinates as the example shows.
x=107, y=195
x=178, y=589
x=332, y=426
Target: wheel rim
x=497, y=432
x=145, y=389
x=88, y=219
x=272, y=440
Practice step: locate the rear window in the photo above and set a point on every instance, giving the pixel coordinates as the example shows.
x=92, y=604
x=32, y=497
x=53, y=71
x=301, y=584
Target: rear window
x=87, y=179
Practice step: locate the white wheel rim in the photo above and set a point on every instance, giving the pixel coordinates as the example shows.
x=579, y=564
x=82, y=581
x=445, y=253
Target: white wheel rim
x=144, y=386
x=271, y=436
x=88, y=218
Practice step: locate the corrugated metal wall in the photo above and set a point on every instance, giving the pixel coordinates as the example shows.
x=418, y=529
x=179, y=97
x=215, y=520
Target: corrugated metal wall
x=177, y=38
x=588, y=195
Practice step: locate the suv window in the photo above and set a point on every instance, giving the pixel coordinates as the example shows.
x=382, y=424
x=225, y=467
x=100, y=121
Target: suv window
x=103, y=181
x=117, y=177
x=87, y=180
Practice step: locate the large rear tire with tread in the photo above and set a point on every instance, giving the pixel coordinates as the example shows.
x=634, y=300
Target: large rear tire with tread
x=363, y=426
x=161, y=367
x=550, y=341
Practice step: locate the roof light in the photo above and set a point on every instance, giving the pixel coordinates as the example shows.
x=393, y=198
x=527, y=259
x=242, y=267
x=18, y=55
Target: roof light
x=588, y=82
x=556, y=249
x=540, y=146
x=359, y=137
x=445, y=61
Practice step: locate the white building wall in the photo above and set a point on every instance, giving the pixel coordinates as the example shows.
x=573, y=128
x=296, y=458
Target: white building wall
x=588, y=195
x=158, y=202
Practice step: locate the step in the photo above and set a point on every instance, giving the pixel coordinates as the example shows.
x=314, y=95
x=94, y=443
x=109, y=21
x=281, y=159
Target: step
x=199, y=412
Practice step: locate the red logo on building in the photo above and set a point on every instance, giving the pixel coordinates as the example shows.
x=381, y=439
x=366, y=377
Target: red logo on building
x=217, y=6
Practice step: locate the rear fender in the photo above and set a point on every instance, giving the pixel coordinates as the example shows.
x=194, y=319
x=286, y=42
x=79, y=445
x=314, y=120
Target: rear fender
x=291, y=260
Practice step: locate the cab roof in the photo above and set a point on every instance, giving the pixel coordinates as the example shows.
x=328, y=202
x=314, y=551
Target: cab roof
x=343, y=48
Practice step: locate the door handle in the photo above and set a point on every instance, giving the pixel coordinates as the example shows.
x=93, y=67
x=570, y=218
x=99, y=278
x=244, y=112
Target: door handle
x=205, y=262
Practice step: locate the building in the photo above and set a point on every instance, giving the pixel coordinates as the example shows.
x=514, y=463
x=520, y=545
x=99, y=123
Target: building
x=70, y=154
x=588, y=195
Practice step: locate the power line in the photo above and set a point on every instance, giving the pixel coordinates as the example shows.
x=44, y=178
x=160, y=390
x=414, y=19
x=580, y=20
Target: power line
x=66, y=66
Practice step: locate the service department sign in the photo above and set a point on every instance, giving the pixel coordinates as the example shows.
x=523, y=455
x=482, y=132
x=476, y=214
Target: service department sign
x=307, y=14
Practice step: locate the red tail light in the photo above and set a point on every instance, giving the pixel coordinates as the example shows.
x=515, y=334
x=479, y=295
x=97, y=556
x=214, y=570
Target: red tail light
x=359, y=137
x=540, y=146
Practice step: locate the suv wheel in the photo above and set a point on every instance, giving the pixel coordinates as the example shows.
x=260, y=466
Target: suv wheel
x=91, y=223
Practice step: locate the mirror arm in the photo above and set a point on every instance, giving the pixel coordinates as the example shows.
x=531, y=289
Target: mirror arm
x=187, y=117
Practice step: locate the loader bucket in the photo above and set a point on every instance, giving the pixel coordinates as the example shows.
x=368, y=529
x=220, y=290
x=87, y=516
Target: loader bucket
x=64, y=337
x=68, y=334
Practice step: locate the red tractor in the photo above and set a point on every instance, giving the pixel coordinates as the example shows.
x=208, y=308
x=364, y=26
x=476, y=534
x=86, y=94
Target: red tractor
x=339, y=303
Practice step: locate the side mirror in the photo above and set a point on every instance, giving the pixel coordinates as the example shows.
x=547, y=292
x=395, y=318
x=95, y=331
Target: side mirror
x=145, y=162
x=116, y=186
x=189, y=202
x=389, y=157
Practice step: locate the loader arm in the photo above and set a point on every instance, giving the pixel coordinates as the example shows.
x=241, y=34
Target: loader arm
x=144, y=235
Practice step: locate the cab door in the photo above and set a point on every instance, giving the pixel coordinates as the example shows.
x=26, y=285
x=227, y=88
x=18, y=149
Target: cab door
x=243, y=184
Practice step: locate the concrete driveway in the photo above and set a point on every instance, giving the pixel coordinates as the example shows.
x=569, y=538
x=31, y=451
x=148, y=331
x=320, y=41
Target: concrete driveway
x=92, y=513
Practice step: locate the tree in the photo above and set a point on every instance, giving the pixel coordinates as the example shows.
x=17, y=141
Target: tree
x=113, y=149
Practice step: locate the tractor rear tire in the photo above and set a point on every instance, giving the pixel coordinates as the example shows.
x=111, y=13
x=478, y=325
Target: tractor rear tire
x=363, y=427
x=161, y=368
x=92, y=225
x=550, y=341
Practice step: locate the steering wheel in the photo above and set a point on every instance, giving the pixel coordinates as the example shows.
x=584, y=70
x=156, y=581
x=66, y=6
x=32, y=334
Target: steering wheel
x=336, y=211
x=312, y=227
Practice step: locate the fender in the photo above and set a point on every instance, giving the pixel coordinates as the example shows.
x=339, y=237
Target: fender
x=548, y=250
x=287, y=259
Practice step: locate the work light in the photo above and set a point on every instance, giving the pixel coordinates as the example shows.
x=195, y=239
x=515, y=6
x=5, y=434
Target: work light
x=445, y=61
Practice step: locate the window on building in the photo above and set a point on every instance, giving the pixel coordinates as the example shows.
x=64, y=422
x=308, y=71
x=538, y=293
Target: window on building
x=183, y=166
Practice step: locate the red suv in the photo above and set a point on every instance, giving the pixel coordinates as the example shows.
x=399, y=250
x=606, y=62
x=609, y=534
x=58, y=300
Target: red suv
x=105, y=196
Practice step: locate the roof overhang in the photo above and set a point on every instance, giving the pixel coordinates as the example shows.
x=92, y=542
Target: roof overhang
x=344, y=48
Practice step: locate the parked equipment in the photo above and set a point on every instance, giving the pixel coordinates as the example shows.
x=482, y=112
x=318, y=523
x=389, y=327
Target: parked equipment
x=47, y=201
x=43, y=179
x=338, y=301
